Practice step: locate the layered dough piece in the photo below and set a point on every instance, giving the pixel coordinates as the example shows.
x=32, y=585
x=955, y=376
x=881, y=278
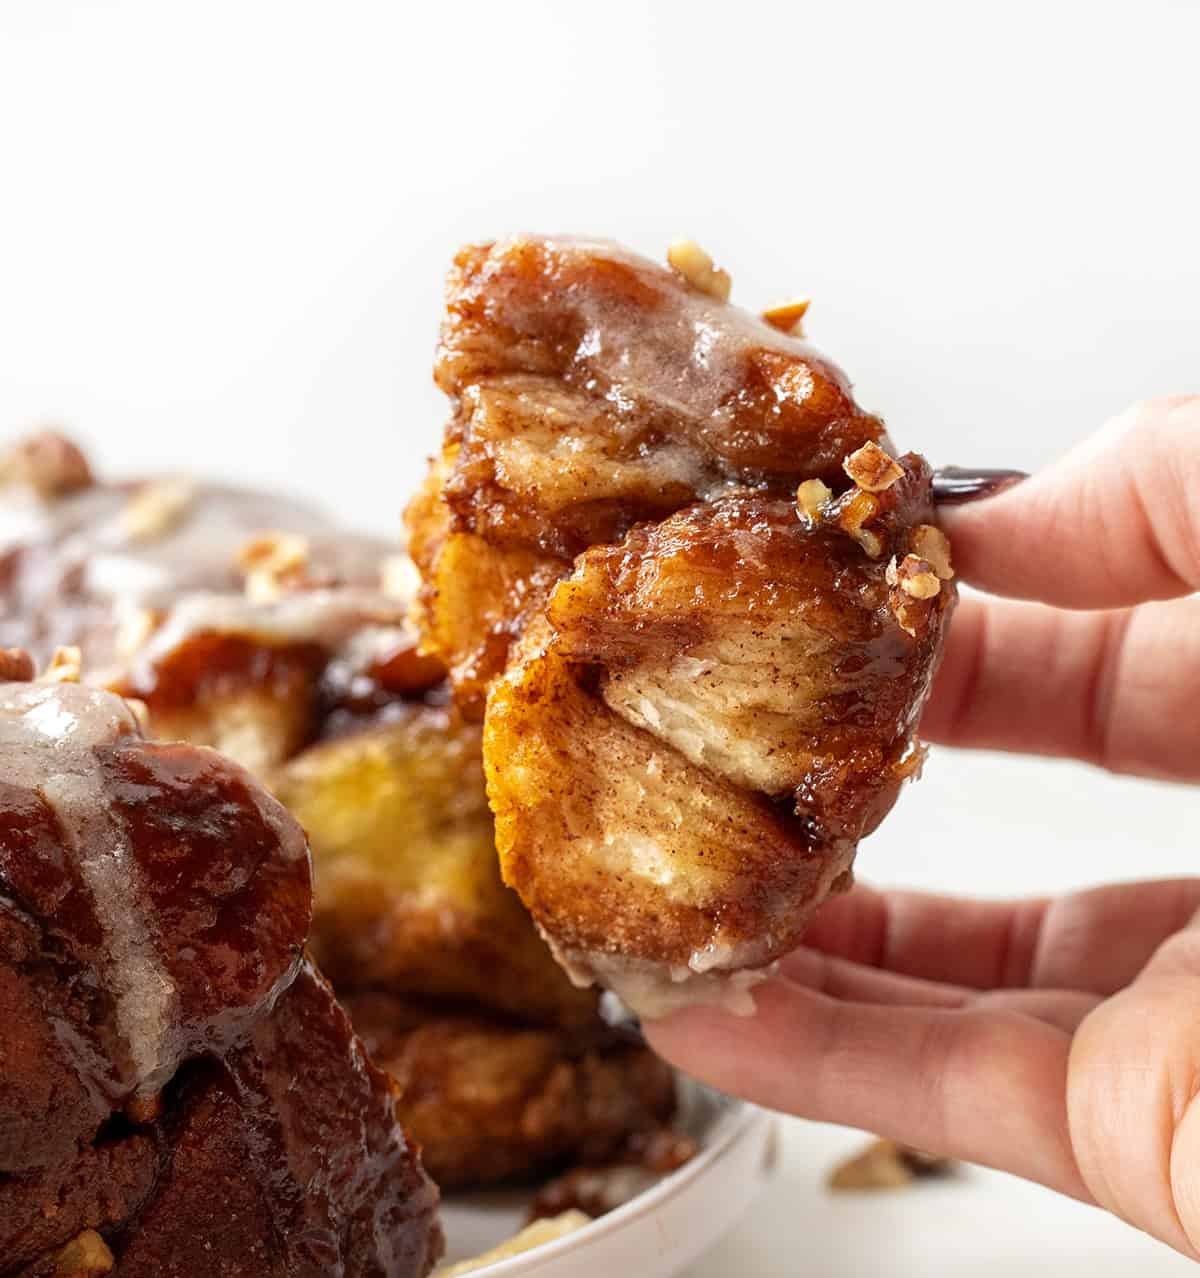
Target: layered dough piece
x=711, y=602
x=180, y=1093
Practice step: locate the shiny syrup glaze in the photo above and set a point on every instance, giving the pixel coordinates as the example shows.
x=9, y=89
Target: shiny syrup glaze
x=592, y=390
x=153, y=906
x=163, y=614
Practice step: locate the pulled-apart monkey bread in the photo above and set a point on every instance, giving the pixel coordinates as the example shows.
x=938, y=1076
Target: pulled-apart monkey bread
x=695, y=595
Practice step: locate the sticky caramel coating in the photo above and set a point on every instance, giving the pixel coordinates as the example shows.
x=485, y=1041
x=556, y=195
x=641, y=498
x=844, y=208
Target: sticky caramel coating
x=154, y=582
x=685, y=752
x=593, y=390
x=490, y=1102
x=154, y=902
x=703, y=635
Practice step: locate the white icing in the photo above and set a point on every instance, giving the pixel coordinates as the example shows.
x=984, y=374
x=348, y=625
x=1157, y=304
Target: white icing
x=61, y=715
x=325, y=617
x=143, y=991
x=641, y=347
x=85, y=556
x=651, y=989
x=48, y=733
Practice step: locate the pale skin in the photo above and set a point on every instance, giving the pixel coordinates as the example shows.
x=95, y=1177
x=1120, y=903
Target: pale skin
x=1057, y=1039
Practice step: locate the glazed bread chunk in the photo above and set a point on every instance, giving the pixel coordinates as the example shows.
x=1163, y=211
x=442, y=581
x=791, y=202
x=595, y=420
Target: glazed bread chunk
x=695, y=595
x=179, y=1092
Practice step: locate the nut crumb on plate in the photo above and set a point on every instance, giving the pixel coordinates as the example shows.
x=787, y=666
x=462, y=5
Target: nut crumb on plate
x=884, y=1164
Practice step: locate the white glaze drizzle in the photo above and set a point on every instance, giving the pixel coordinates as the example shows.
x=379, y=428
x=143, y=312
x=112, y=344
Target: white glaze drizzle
x=48, y=735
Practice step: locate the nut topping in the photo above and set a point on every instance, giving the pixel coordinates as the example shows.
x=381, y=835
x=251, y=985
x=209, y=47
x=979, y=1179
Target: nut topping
x=85, y=1256
x=788, y=317
x=272, y=561
x=16, y=666
x=932, y=545
x=65, y=666
x=811, y=496
x=49, y=463
x=858, y=511
x=915, y=577
x=156, y=508
x=872, y=469
x=886, y=1165
x=135, y=628
x=698, y=268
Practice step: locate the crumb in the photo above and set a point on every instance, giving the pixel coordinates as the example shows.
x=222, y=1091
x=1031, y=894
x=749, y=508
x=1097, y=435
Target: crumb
x=884, y=1164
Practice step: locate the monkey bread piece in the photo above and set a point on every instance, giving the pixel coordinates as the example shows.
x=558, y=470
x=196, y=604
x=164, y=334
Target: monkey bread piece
x=489, y=1102
x=713, y=603
x=409, y=896
x=179, y=1093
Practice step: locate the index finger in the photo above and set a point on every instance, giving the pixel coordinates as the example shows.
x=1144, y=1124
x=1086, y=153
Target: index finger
x=1113, y=523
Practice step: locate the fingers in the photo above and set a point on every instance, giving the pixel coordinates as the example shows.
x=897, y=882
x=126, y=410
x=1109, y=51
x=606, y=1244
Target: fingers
x=1118, y=689
x=974, y=944
x=854, y=983
x=985, y=1086
x=1095, y=941
x=1114, y=523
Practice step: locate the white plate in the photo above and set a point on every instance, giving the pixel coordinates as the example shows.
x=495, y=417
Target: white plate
x=658, y=1233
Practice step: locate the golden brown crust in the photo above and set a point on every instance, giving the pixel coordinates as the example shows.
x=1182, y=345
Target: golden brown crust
x=488, y=1102
x=709, y=622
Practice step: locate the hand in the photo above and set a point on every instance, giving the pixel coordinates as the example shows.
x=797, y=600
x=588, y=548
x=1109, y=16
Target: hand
x=1055, y=1039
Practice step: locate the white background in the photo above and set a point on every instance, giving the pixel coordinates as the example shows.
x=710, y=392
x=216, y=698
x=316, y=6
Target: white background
x=222, y=234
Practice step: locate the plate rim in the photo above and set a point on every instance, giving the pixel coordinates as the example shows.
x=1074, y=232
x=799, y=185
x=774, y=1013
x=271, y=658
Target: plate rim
x=738, y=1118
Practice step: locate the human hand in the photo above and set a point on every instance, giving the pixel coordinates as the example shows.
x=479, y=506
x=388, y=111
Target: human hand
x=1055, y=1039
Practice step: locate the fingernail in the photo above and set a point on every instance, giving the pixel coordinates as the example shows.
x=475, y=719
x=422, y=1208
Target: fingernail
x=954, y=485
